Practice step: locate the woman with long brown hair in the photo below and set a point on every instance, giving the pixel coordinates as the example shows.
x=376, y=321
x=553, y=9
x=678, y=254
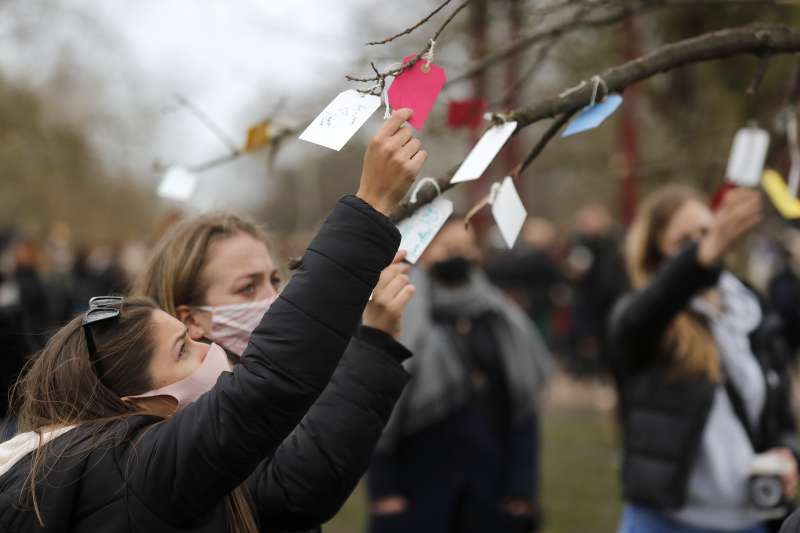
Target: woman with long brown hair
x=700, y=372
x=131, y=425
x=215, y=273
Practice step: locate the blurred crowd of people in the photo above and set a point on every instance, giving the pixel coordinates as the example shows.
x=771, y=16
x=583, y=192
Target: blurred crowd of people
x=480, y=364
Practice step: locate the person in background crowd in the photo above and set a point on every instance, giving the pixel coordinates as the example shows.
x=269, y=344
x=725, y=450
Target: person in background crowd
x=131, y=425
x=533, y=275
x=216, y=274
x=96, y=272
x=700, y=372
x=461, y=451
x=784, y=290
x=24, y=314
x=597, y=271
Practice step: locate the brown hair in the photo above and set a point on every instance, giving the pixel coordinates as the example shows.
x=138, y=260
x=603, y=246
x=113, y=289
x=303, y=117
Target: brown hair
x=62, y=387
x=695, y=350
x=173, y=275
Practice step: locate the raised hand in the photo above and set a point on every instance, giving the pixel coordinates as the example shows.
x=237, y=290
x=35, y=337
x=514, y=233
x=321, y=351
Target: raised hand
x=391, y=164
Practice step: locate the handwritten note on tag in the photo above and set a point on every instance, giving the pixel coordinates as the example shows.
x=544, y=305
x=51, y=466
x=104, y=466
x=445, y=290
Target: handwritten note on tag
x=780, y=195
x=484, y=152
x=593, y=116
x=419, y=229
x=177, y=184
x=417, y=88
x=341, y=119
x=748, y=154
x=509, y=212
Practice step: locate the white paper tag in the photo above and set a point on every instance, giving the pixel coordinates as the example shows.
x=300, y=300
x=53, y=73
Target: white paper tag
x=748, y=154
x=177, y=184
x=484, y=152
x=341, y=119
x=419, y=229
x=509, y=212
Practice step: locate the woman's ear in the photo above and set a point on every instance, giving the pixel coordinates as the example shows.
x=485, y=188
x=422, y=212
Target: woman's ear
x=199, y=327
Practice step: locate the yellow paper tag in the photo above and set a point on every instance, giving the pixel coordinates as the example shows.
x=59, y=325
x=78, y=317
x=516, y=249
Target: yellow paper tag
x=778, y=192
x=257, y=136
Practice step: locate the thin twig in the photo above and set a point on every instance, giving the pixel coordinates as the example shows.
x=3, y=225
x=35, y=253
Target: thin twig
x=761, y=71
x=412, y=28
x=527, y=76
x=380, y=77
x=208, y=123
x=548, y=135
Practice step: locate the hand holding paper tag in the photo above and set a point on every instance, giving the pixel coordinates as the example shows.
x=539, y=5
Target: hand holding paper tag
x=417, y=88
x=177, y=184
x=484, y=152
x=508, y=211
x=419, y=229
x=748, y=154
x=341, y=119
x=592, y=116
x=391, y=164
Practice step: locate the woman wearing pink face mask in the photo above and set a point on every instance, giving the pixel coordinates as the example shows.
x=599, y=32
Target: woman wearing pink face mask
x=129, y=424
x=215, y=273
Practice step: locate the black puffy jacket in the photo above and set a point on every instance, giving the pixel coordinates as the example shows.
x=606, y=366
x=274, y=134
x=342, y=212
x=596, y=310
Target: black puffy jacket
x=663, y=414
x=173, y=475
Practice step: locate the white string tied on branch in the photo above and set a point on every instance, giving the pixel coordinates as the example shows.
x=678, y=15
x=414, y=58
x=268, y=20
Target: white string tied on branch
x=597, y=81
x=429, y=56
x=422, y=183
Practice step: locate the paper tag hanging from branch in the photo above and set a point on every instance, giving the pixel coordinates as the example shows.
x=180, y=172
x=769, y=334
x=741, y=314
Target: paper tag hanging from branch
x=484, y=152
x=508, y=211
x=178, y=183
x=779, y=194
x=593, y=115
x=417, y=88
x=419, y=229
x=341, y=119
x=258, y=136
x=748, y=154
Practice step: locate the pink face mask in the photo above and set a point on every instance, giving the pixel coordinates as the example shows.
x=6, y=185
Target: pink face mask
x=232, y=325
x=198, y=382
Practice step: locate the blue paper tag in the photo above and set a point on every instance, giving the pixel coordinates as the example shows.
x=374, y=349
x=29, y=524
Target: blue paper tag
x=593, y=116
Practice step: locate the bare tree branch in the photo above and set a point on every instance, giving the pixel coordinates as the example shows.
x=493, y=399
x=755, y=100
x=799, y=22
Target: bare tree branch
x=412, y=28
x=758, y=40
x=380, y=77
x=619, y=12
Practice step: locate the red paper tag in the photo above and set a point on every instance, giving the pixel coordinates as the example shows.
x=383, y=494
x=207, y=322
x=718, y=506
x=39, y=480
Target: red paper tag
x=417, y=89
x=466, y=113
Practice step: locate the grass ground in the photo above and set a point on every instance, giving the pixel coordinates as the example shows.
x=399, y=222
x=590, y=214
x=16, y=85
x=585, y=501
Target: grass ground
x=580, y=492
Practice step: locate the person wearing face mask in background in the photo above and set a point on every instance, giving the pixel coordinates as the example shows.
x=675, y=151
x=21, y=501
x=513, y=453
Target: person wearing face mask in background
x=699, y=365
x=129, y=424
x=460, y=452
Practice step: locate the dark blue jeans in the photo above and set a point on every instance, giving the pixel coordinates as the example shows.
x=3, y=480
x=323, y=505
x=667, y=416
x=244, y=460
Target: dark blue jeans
x=637, y=519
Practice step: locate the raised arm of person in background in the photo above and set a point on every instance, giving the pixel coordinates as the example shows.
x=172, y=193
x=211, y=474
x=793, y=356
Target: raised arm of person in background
x=640, y=319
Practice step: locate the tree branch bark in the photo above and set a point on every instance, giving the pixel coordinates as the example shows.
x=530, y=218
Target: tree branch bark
x=757, y=40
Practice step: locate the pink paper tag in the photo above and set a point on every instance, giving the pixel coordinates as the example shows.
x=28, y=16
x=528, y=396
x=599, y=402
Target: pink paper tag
x=417, y=89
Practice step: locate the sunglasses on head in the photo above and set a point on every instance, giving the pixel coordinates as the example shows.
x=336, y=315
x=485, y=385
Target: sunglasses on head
x=101, y=309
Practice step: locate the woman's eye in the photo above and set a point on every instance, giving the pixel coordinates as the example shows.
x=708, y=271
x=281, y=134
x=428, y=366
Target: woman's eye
x=276, y=281
x=248, y=289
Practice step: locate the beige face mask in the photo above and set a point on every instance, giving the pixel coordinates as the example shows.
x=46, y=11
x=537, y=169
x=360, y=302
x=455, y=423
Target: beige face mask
x=198, y=382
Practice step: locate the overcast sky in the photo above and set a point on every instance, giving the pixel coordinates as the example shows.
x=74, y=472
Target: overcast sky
x=122, y=61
